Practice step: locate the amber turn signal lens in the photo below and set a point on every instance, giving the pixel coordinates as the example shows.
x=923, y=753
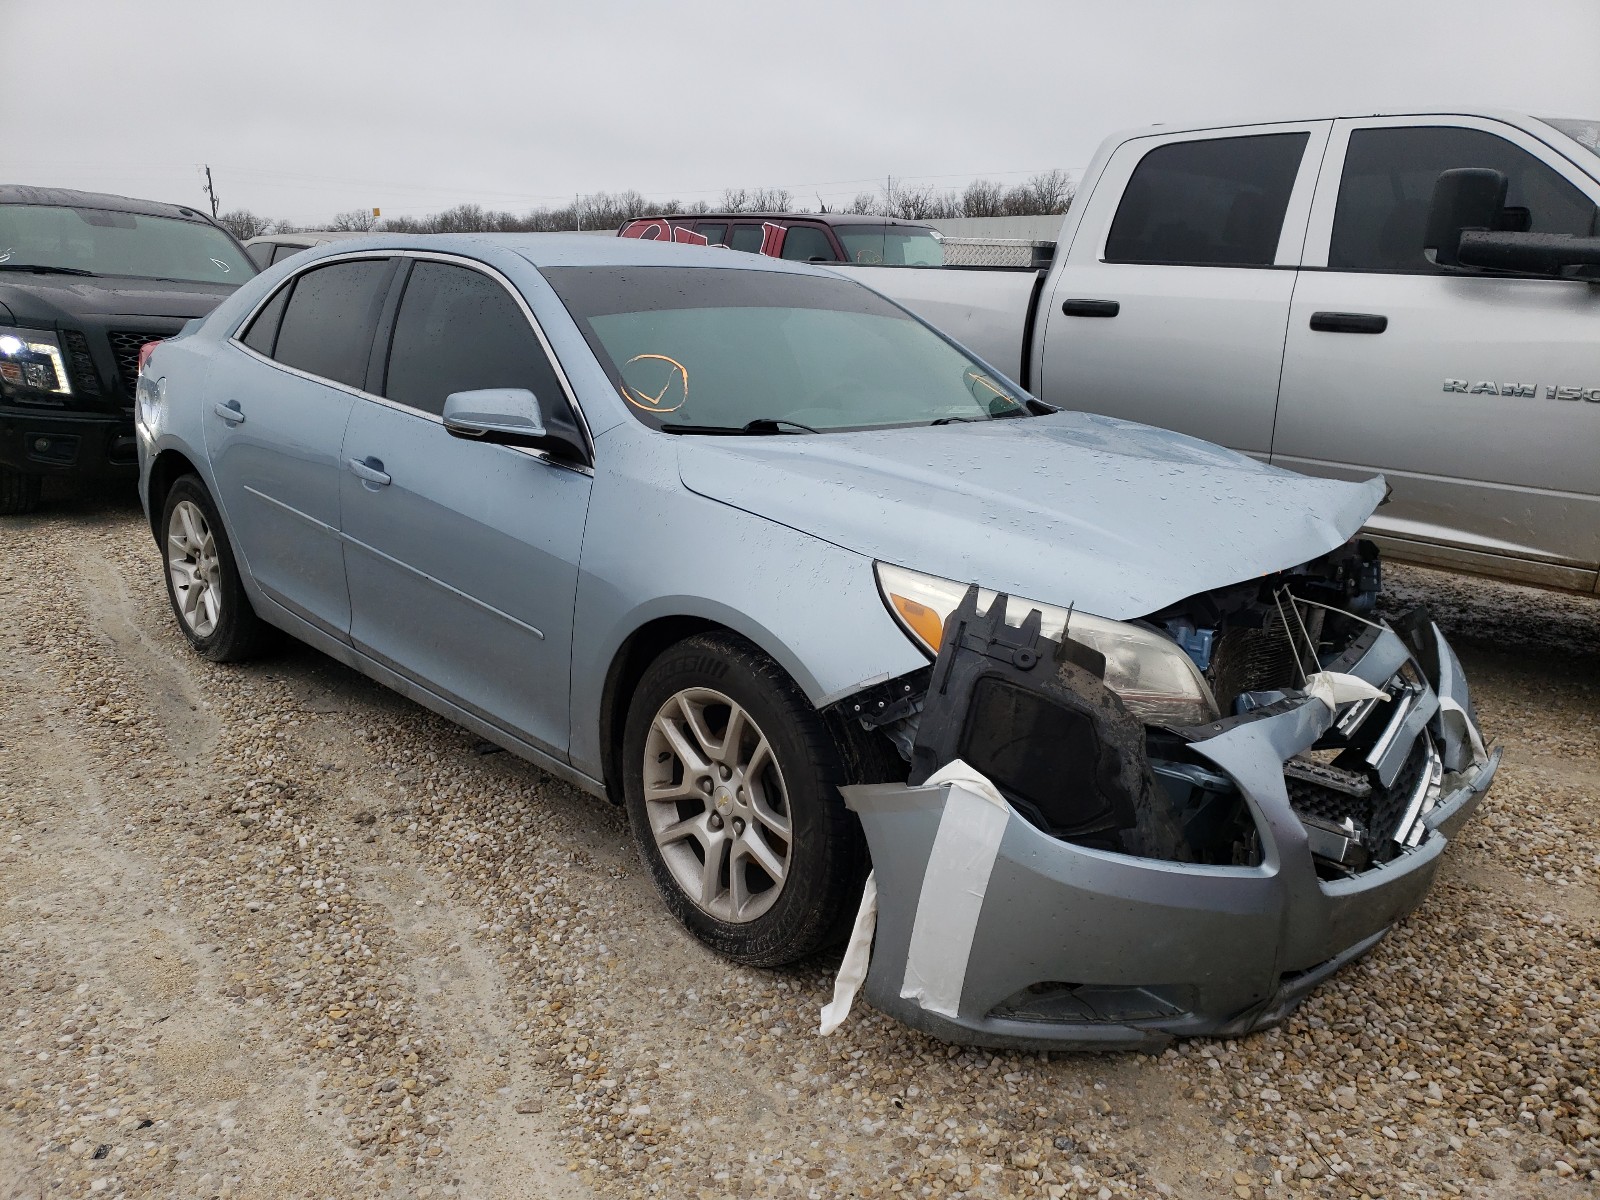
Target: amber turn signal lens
x=921, y=620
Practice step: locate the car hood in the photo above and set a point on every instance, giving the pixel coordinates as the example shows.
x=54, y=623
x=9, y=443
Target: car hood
x=1115, y=518
x=41, y=298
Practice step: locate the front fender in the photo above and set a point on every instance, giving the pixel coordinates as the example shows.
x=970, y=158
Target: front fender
x=653, y=549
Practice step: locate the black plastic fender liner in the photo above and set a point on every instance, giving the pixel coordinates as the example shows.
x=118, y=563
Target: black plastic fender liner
x=1034, y=716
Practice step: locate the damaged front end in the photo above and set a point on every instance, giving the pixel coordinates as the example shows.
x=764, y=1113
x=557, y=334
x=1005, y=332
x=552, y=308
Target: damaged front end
x=1075, y=861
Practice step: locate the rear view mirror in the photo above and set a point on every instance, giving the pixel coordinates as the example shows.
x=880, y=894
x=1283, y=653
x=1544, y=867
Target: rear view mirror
x=506, y=417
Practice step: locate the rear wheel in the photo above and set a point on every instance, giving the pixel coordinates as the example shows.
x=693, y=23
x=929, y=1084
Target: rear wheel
x=732, y=786
x=203, y=580
x=19, y=493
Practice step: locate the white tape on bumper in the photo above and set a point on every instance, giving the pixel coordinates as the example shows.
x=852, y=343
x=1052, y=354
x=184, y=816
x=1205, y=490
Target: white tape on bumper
x=853, y=970
x=953, y=888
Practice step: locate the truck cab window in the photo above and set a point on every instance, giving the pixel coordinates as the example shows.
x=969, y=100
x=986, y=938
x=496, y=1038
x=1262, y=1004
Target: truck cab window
x=804, y=242
x=747, y=238
x=715, y=233
x=1389, y=175
x=1213, y=202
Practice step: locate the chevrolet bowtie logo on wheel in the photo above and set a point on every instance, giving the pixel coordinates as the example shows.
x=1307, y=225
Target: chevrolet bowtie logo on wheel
x=1552, y=391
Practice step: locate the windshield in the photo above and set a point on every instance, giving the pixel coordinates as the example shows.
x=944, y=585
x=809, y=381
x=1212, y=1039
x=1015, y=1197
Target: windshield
x=1585, y=133
x=103, y=242
x=890, y=246
x=716, y=348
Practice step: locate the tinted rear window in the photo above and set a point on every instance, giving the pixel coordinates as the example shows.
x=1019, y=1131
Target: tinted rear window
x=327, y=329
x=1215, y=202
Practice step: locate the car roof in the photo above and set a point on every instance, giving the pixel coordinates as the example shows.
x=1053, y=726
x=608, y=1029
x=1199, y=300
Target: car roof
x=567, y=250
x=21, y=193
x=823, y=218
x=307, y=237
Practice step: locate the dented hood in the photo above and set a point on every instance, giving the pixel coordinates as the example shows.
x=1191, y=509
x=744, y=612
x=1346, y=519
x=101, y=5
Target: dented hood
x=1115, y=518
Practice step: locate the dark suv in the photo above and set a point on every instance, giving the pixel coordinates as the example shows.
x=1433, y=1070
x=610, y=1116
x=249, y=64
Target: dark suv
x=85, y=281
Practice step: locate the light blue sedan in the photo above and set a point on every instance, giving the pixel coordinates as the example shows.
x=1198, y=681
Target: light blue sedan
x=689, y=529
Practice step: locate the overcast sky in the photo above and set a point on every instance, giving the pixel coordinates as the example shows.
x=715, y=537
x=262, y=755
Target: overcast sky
x=307, y=109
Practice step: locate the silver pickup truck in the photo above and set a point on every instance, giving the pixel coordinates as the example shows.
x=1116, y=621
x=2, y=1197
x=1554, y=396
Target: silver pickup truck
x=1313, y=293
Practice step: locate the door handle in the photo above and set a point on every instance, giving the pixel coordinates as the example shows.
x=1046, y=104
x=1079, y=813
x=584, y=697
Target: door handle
x=229, y=412
x=369, y=469
x=1090, y=308
x=1336, y=322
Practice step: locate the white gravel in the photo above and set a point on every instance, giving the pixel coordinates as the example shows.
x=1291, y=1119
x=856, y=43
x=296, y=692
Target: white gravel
x=274, y=931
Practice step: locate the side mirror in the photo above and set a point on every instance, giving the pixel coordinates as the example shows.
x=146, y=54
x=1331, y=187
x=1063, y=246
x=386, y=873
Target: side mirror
x=1470, y=226
x=506, y=417
x=1466, y=198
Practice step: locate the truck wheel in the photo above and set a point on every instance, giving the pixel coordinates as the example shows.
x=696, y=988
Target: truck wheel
x=732, y=786
x=19, y=493
x=203, y=580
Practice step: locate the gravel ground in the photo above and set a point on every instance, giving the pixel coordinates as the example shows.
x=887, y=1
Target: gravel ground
x=273, y=931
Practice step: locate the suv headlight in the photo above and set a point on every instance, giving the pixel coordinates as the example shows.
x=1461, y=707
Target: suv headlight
x=31, y=358
x=1152, y=675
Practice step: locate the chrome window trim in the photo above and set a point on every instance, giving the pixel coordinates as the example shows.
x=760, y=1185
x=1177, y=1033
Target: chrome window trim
x=460, y=260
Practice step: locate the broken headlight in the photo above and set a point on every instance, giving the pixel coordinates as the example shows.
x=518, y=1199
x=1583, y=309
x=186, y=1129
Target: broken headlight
x=1154, y=678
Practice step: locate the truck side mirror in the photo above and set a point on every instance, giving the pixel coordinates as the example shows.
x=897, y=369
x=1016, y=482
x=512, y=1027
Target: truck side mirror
x=1465, y=198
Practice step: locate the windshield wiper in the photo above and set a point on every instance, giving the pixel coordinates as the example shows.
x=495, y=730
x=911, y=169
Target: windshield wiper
x=759, y=425
x=41, y=269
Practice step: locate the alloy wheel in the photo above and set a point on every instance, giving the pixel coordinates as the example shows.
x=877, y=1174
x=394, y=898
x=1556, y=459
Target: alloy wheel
x=718, y=807
x=193, y=567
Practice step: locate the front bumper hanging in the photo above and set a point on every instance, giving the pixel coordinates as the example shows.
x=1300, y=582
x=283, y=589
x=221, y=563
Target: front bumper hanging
x=991, y=931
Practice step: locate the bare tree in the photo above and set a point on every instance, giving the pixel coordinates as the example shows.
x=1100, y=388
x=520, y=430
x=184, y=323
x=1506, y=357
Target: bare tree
x=864, y=205
x=772, y=200
x=359, y=220
x=1050, y=192
x=244, y=224
x=983, y=198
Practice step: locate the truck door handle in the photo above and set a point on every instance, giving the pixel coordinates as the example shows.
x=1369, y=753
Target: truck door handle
x=1332, y=322
x=370, y=469
x=229, y=412
x=1090, y=308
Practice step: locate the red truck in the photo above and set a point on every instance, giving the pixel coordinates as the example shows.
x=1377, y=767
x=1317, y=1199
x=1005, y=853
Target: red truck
x=806, y=237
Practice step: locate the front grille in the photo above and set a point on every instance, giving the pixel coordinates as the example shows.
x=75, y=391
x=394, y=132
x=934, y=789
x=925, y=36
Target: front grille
x=1334, y=793
x=80, y=363
x=125, y=346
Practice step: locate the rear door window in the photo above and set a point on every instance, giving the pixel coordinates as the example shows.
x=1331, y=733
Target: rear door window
x=804, y=242
x=715, y=233
x=746, y=237
x=284, y=249
x=330, y=320
x=1386, y=190
x=458, y=330
x=262, y=335
x=1212, y=202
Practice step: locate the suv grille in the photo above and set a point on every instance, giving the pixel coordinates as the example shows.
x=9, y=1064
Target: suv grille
x=125, y=345
x=80, y=363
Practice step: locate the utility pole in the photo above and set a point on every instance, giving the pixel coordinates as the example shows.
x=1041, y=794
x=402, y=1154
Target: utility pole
x=211, y=192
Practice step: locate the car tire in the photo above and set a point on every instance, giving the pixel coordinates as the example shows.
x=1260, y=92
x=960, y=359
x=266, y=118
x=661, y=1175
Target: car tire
x=734, y=803
x=19, y=493
x=203, y=582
